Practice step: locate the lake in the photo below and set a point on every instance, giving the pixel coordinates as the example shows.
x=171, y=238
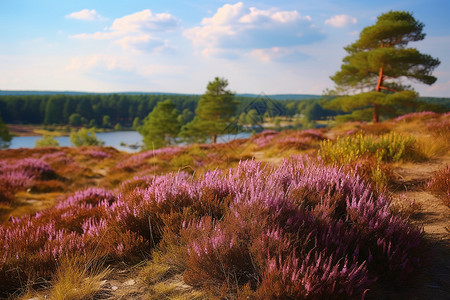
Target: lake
x=113, y=139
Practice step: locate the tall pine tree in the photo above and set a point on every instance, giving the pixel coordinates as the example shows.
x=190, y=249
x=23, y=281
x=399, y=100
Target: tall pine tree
x=377, y=62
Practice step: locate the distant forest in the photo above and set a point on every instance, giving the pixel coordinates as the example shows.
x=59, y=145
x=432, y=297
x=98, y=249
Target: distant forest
x=125, y=108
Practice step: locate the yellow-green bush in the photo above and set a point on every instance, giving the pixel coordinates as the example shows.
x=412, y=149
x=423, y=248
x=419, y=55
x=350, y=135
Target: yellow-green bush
x=388, y=147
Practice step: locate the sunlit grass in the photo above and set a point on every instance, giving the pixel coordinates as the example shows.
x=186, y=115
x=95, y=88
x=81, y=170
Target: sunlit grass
x=76, y=280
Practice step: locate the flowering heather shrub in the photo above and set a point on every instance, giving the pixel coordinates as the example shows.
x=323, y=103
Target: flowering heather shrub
x=300, y=139
x=137, y=160
x=11, y=182
x=82, y=224
x=264, y=138
x=440, y=184
x=21, y=174
x=98, y=154
x=31, y=166
x=417, y=115
x=302, y=230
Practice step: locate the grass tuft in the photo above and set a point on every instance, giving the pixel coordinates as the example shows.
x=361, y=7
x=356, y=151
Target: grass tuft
x=76, y=280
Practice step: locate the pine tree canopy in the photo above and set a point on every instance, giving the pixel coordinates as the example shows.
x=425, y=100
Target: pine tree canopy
x=378, y=63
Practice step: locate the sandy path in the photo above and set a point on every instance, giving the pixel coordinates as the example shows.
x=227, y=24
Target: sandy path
x=434, y=217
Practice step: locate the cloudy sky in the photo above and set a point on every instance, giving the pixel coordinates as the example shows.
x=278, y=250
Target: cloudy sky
x=269, y=46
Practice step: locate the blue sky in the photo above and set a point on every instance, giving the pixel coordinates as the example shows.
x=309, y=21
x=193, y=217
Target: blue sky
x=178, y=46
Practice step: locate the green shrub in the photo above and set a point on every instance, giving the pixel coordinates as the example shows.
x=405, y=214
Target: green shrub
x=389, y=147
x=47, y=141
x=85, y=137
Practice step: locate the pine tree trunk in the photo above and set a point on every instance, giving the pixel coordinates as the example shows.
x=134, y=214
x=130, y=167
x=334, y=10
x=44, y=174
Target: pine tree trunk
x=376, y=106
x=376, y=113
x=214, y=138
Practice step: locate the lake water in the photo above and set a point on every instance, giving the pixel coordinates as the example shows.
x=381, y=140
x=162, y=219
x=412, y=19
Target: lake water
x=113, y=139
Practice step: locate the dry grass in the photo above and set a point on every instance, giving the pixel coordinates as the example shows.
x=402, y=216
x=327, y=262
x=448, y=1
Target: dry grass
x=174, y=288
x=431, y=147
x=76, y=280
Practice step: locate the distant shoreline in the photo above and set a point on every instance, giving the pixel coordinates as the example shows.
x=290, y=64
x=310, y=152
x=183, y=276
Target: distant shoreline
x=40, y=130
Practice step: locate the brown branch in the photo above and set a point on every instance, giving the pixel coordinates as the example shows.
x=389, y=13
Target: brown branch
x=388, y=89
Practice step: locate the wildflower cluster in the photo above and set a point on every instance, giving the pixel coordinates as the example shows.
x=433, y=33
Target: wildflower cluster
x=302, y=230
x=21, y=174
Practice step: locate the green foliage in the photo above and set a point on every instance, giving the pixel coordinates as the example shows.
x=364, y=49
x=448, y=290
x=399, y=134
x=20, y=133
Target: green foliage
x=388, y=147
x=106, y=121
x=92, y=123
x=118, y=127
x=356, y=115
x=5, y=137
x=75, y=119
x=136, y=123
x=47, y=141
x=85, y=137
x=186, y=116
x=161, y=126
x=214, y=112
x=378, y=61
x=53, y=111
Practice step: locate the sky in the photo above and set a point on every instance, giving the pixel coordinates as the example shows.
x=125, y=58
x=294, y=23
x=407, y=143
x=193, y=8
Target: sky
x=178, y=46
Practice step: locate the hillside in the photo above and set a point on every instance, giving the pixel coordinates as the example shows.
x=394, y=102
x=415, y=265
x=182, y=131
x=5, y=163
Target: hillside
x=356, y=210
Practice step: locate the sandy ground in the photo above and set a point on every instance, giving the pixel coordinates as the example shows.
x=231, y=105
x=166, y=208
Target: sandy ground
x=434, y=217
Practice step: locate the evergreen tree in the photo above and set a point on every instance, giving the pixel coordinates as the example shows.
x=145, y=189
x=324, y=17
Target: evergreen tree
x=378, y=60
x=186, y=116
x=136, y=123
x=75, y=119
x=5, y=137
x=252, y=117
x=53, y=111
x=214, y=112
x=160, y=126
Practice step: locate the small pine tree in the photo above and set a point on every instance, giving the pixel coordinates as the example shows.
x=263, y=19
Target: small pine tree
x=161, y=126
x=213, y=114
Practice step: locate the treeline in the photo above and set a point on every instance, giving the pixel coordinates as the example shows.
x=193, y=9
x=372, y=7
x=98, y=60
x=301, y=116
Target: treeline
x=105, y=110
x=88, y=109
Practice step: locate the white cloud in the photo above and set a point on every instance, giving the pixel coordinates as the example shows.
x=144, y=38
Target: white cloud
x=101, y=61
x=116, y=64
x=145, y=21
x=97, y=35
x=248, y=28
x=341, y=21
x=278, y=54
x=140, y=43
x=85, y=14
x=139, y=31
